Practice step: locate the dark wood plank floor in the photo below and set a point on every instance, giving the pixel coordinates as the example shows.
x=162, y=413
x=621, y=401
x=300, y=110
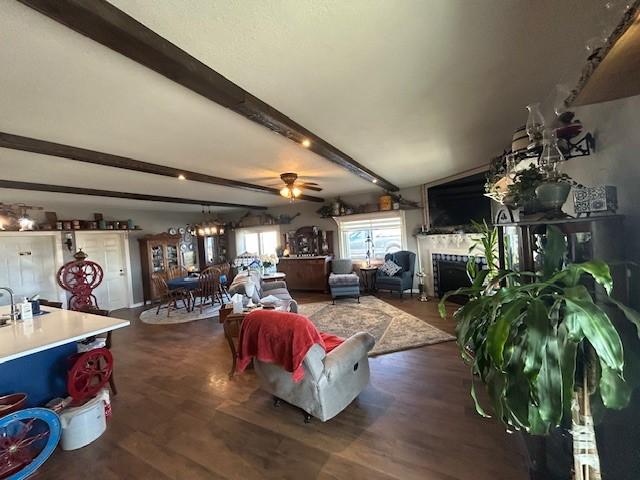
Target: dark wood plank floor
x=178, y=416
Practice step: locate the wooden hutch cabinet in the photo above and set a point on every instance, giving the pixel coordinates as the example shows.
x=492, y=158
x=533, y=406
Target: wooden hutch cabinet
x=306, y=273
x=158, y=253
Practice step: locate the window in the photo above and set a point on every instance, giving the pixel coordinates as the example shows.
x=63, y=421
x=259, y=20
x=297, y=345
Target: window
x=385, y=231
x=257, y=241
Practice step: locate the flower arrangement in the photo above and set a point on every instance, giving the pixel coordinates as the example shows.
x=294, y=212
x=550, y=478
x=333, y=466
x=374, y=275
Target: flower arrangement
x=269, y=260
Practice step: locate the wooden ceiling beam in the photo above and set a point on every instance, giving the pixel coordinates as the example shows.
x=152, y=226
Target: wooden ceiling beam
x=113, y=28
x=27, y=144
x=44, y=187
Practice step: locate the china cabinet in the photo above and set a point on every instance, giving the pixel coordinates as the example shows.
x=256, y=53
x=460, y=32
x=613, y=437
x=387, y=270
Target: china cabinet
x=158, y=253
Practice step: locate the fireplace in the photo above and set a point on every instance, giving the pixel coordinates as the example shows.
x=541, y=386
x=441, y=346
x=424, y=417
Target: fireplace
x=450, y=273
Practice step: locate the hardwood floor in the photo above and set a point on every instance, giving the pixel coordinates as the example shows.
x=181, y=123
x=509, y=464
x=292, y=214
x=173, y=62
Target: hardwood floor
x=178, y=416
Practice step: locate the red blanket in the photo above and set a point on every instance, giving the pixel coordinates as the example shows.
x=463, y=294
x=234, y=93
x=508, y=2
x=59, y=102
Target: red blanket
x=282, y=338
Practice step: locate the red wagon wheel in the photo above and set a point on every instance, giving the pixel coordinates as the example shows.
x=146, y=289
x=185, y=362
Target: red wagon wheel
x=90, y=372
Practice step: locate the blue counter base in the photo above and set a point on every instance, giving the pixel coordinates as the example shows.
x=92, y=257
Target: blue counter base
x=42, y=376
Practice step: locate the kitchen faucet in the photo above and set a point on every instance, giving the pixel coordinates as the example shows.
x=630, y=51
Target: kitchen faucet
x=14, y=313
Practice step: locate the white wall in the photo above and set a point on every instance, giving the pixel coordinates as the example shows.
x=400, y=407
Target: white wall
x=150, y=221
x=616, y=126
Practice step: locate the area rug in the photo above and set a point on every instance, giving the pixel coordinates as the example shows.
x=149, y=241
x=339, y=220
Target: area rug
x=178, y=316
x=393, y=329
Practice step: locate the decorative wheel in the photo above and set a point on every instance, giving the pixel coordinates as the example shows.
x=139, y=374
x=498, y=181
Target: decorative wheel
x=90, y=372
x=27, y=439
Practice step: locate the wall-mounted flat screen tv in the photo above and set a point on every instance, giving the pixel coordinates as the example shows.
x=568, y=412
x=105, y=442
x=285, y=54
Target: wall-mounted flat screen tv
x=457, y=203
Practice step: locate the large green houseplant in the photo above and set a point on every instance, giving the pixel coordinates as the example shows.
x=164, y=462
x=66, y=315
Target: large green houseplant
x=539, y=341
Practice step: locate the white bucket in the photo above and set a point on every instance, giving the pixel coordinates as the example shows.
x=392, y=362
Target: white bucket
x=82, y=425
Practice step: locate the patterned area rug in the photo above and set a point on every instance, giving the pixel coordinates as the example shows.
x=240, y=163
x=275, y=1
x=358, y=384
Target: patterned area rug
x=393, y=329
x=177, y=316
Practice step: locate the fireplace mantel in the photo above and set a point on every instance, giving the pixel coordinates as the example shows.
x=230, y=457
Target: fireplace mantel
x=452, y=244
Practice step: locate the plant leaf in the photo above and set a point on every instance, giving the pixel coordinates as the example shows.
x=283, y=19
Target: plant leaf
x=615, y=392
x=479, y=408
x=498, y=332
x=549, y=384
x=537, y=321
x=597, y=269
x=596, y=326
x=555, y=249
x=632, y=315
x=568, y=353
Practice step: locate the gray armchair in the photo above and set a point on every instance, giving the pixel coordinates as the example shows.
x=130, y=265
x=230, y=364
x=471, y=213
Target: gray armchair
x=331, y=380
x=401, y=281
x=343, y=281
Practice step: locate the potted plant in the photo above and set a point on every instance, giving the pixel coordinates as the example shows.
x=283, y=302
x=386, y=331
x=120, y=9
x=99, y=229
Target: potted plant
x=543, y=348
x=522, y=192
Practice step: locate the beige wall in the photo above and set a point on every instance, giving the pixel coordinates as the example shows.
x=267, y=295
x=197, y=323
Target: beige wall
x=616, y=161
x=309, y=216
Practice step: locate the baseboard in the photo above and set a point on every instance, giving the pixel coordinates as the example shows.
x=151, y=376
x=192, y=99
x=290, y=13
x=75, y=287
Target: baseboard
x=136, y=305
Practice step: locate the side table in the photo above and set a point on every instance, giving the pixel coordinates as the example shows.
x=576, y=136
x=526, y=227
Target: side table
x=368, y=276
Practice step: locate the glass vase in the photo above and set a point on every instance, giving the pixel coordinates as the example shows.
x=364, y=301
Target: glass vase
x=535, y=122
x=551, y=156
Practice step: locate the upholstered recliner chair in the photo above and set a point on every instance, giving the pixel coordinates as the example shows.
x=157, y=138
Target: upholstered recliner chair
x=403, y=279
x=331, y=380
x=343, y=281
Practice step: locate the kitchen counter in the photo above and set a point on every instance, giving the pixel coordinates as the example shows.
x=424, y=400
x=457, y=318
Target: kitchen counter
x=53, y=329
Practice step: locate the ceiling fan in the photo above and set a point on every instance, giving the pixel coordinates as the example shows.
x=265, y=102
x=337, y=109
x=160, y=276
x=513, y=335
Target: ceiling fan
x=292, y=188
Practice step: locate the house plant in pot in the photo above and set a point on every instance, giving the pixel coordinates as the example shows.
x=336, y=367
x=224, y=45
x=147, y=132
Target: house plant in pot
x=546, y=351
x=554, y=189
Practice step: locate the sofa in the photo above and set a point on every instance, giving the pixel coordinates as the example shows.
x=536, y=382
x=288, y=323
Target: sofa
x=402, y=280
x=331, y=380
x=262, y=289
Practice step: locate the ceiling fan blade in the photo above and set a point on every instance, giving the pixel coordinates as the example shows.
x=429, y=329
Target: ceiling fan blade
x=309, y=183
x=309, y=187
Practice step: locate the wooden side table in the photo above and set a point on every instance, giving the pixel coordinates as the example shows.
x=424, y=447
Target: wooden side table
x=368, y=276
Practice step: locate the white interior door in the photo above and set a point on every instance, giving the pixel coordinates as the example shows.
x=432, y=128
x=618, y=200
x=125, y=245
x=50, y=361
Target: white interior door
x=28, y=266
x=107, y=250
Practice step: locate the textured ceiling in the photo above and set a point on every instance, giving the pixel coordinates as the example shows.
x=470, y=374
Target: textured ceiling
x=414, y=90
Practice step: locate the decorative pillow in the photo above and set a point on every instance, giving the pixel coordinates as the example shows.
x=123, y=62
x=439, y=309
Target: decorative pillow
x=390, y=268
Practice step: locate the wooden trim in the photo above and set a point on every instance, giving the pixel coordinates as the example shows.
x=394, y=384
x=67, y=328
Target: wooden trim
x=113, y=28
x=43, y=187
x=27, y=144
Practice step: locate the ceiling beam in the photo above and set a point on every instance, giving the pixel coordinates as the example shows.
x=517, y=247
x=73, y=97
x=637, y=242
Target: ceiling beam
x=27, y=144
x=113, y=28
x=44, y=187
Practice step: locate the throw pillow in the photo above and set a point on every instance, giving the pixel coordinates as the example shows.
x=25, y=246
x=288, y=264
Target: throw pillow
x=390, y=268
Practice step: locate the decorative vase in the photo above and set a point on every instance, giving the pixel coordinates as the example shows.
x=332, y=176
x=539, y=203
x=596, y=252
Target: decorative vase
x=535, y=122
x=552, y=195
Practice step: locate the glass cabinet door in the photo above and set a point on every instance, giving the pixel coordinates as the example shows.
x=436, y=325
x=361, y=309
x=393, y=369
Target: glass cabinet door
x=172, y=256
x=157, y=258
x=511, y=248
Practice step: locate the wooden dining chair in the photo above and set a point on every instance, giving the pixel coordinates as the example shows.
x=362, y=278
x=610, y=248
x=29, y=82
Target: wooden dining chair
x=176, y=272
x=47, y=303
x=169, y=297
x=224, y=269
x=207, y=288
x=105, y=313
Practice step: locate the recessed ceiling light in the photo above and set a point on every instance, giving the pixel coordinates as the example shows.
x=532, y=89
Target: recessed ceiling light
x=306, y=143
x=375, y=180
x=181, y=177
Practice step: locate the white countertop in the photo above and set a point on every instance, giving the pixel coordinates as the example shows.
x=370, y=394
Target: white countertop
x=51, y=330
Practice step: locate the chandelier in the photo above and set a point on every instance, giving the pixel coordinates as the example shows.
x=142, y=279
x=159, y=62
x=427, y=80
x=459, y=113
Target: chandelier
x=209, y=227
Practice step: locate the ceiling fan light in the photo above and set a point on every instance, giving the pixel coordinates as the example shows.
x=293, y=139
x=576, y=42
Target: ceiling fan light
x=296, y=191
x=285, y=192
